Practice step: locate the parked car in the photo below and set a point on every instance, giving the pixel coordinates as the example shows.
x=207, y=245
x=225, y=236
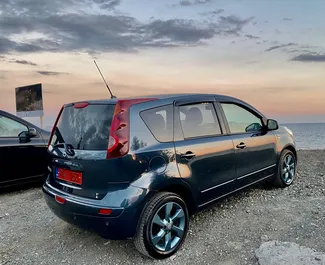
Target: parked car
x=138, y=167
x=23, y=151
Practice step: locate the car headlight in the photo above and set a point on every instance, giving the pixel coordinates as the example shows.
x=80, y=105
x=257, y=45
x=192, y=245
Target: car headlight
x=288, y=130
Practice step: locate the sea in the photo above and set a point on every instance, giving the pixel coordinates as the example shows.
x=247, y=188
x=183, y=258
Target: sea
x=308, y=136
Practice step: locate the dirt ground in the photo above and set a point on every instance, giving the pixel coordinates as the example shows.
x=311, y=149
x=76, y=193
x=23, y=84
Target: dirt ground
x=226, y=233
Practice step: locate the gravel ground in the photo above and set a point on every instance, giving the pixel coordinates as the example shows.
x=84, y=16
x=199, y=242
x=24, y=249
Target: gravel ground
x=226, y=233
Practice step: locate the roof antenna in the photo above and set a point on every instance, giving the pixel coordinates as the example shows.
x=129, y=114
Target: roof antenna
x=109, y=90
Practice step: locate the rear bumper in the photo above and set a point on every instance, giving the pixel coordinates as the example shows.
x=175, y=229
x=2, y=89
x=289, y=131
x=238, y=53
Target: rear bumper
x=120, y=224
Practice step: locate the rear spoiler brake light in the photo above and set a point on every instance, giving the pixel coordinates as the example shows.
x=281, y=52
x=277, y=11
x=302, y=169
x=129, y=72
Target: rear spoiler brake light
x=80, y=105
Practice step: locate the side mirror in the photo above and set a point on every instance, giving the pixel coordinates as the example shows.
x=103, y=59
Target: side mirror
x=32, y=132
x=272, y=125
x=24, y=137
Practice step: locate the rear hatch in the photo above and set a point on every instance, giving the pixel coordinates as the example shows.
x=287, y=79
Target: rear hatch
x=78, y=151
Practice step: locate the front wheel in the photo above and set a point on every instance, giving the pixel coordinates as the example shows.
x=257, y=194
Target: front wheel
x=163, y=226
x=286, y=169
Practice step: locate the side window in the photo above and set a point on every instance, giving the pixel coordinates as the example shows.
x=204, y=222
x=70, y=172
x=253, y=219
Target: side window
x=199, y=120
x=10, y=128
x=160, y=122
x=241, y=120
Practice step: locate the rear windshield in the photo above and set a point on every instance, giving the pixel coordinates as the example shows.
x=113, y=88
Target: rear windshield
x=86, y=128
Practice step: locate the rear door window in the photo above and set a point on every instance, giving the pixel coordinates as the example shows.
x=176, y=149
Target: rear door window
x=160, y=122
x=85, y=128
x=199, y=120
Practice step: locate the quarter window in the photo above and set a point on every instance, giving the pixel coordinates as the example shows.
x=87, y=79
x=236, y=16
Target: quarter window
x=10, y=128
x=160, y=122
x=199, y=120
x=241, y=120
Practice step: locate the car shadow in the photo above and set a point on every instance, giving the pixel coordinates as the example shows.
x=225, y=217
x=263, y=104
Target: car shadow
x=21, y=187
x=95, y=244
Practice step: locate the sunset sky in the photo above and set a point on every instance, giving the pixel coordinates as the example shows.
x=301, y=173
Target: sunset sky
x=268, y=53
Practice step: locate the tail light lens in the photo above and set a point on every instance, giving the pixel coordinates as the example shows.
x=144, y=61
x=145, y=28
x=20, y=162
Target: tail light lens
x=54, y=126
x=80, y=105
x=118, y=142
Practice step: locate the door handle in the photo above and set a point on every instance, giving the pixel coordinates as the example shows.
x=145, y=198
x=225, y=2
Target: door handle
x=241, y=145
x=188, y=155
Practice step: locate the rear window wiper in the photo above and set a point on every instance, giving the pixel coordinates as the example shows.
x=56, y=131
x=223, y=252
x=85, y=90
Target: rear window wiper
x=68, y=148
x=59, y=144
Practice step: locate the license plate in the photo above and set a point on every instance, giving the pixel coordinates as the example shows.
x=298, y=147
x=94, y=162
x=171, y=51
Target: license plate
x=69, y=176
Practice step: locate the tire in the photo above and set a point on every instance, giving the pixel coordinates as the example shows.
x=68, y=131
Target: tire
x=286, y=174
x=174, y=232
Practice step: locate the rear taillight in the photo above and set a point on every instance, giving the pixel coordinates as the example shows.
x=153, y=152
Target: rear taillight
x=54, y=126
x=118, y=142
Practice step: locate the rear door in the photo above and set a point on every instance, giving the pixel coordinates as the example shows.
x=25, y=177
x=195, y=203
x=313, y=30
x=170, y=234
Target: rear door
x=205, y=155
x=255, y=147
x=78, y=151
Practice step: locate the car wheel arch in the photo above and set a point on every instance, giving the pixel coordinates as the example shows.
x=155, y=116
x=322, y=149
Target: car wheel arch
x=185, y=193
x=290, y=148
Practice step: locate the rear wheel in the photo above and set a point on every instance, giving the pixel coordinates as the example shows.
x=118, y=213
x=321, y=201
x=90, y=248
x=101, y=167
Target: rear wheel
x=286, y=169
x=163, y=226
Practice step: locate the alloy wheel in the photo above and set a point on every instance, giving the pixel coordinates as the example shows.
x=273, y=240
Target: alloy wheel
x=288, y=169
x=168, y=227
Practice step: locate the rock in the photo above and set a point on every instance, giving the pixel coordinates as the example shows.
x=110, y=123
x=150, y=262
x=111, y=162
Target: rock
x=264, y=238
x=173, y=257
x=286, y=253
x=5, y=215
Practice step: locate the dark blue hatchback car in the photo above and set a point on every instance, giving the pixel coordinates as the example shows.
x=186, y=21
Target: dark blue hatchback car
x=138, y=167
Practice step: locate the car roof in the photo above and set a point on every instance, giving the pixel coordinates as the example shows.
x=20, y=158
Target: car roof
x=174, y=97
x=162, y=96
x=5, y=113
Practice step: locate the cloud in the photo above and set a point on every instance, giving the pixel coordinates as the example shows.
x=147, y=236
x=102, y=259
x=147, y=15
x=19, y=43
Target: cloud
x=213, y=13
x=61, y=31
x=193, y=2
x=310, y=57
x=218, y=11
x=24, y=62
x=287, y=19
x=280, y=46
x=251, y=36
x=47, y=7
x=233, y=24
x=253, y=62
x=5, y=43
x=202, y=1
x=185, y=3
x=108, y=4
x=178, y=31
x=50, y=73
